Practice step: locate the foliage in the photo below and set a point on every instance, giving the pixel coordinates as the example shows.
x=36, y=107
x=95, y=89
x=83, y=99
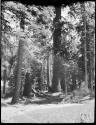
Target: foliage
x=86, y=118
x=38, y=38
x=36, y=33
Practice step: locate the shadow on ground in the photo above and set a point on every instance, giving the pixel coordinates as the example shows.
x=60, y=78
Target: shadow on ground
x=4, y=105
x=54, y=100
x=44, y=101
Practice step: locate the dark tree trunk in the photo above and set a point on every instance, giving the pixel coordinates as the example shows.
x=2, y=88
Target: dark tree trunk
x=63, y=83
x=73, y=82
x=48, y=72
x=65, y=80
x=89, y=69
x=85, y=51
x=94, y=65
x=27, y=87
x=16, y=94
x=42, y=74
x=56, y=81
x=4, y=81
x=91, y=61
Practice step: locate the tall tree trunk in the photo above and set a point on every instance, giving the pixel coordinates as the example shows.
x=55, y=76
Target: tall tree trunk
x=94, y=62
x=16, y=94
x=91, y=72
x=42, y=74
x=73, y=81
x=48, y=72
x=27, y=86
x=4, y=81
x=85, y=52
x=92, y=67
x=49, y=82
x=56, y=85
x=86, y=79
x=65, y=83
x=89, y=68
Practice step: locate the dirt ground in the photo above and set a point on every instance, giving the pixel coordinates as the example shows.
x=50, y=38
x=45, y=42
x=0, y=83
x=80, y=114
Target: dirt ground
x=42, y=110
x=45, y=113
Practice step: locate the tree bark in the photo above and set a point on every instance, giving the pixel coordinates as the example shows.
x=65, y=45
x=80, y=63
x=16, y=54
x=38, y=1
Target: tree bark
x=94, y=63
x=49, y=74
x=57, y=75
x=16, y=94
x=91, y=73
x=43, y=75
x=85, y=52
x=27, y=86
x=4, y=81
x=73, y=81
x=48, y=71
x=56, y=81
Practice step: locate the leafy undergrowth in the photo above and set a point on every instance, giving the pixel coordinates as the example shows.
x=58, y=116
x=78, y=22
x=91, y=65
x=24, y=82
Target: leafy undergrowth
x=53, y=98
x=85, y=118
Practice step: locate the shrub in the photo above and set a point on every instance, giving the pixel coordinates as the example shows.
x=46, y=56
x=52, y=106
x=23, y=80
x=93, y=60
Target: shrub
x=82, y=91
x=86, y=118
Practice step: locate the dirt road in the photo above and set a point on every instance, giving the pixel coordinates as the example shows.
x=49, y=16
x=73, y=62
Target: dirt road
x=52, y=113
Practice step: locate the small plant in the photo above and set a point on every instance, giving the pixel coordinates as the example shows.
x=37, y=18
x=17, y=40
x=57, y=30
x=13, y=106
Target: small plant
x=86, y=118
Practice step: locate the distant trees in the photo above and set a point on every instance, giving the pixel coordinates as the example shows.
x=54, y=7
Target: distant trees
x=85, y=30
x=87, y=40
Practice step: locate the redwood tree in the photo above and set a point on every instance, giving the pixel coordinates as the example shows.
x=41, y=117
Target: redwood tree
x=49, y=70
x=85, y=51
x=4, y=81
x=16, y=94
x=56, y=81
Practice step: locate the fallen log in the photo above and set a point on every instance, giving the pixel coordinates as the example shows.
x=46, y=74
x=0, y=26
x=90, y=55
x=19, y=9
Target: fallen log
x=47, y=96
x=39, y=93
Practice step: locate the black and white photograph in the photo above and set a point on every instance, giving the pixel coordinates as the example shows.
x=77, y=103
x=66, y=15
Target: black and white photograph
x=47, y=61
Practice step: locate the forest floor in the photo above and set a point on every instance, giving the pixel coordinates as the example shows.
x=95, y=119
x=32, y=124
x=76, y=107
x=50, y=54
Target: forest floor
x=32, y=112
x=46, y=110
